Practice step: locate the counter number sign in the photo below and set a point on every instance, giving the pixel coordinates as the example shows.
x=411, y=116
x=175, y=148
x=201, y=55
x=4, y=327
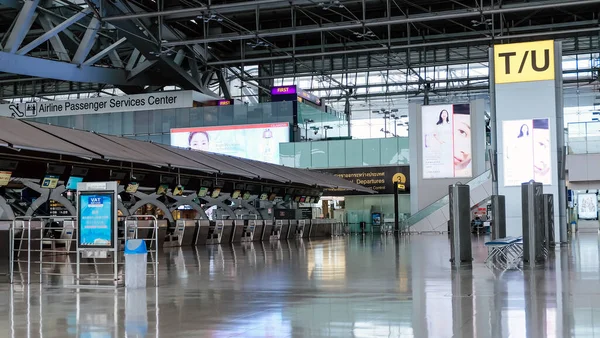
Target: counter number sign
x=524, y=62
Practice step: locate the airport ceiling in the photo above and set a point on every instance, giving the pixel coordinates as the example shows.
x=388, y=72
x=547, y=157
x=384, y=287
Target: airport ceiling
x=69, y=46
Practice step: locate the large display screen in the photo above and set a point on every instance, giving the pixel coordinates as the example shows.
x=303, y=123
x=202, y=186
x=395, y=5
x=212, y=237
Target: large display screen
x=96, y=220
x=255, y=141
x=446, y=131
x=527, y=153
x=587, y=206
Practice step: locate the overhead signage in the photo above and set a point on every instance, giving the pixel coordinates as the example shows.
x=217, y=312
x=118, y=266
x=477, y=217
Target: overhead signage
x=100, y=105
x=380, y=179
x=301, y=94
x=446, y=132
x=96, y=220
x=284, y=90
x=524, y=62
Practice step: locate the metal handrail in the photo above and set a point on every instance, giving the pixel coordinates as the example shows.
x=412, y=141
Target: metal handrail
x=154, y=238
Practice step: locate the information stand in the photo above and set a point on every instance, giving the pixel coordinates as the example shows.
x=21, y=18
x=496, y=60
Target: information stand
x=97, y=226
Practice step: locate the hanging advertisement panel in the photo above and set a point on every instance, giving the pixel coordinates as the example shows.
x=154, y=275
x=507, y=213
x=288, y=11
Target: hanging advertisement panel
x=253, y=141
x=446, y=131
x=527, y=151
x=587, y=206
x=96, y=219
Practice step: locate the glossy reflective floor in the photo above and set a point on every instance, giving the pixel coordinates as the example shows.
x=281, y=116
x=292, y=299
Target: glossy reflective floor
x=343, y=287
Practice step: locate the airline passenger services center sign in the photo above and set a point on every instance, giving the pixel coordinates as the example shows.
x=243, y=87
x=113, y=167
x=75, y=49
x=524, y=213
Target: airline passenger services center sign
x=524, y=62
x=100, y=105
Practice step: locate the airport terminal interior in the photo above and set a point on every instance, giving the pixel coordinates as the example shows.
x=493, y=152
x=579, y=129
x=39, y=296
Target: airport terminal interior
x=299, y=168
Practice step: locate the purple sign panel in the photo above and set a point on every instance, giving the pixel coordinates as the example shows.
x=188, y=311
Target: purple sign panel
x=285, y=90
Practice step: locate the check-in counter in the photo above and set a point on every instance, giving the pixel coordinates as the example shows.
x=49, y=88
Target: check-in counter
x=300, y=228
x=4, y=248
x=202, y=232
x=238, y=230
x=227, y=234
x=285, y=228
x=318, y=228
x=307, y=227
x=267, y=230
x=292, y=230
x=259, y=226
x=249, y=230
x=163, y=226
x=327, y=228
x=215, y=232
x=276, y=231
x=185, y=229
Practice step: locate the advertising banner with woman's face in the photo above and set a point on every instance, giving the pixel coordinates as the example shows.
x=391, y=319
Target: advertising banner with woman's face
x=527, y=153
x=254, y=141
x=446, y=131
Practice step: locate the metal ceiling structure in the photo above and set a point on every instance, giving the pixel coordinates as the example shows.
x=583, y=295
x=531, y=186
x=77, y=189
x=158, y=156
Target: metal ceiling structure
x=64, y=46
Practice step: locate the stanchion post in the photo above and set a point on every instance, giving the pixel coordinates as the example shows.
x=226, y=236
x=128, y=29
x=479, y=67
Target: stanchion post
x=498, y=217
x=460, y=225
x=532, y=207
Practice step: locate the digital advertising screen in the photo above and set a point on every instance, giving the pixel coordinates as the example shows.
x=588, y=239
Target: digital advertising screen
x=72, y=182
x=254, y=141
x=96, y=220
x=587, y=206
x=5, y=177
x=446, y=132
x=132, y=188
x=527, y=154
x=50, y=181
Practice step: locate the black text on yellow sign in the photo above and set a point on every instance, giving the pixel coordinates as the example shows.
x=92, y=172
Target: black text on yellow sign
x=524, y=62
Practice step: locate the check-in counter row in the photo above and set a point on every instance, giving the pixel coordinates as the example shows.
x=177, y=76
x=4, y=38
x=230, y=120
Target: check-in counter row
x=204, y=232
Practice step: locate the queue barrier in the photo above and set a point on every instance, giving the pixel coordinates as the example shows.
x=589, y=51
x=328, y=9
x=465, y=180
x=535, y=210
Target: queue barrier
x=49, y=245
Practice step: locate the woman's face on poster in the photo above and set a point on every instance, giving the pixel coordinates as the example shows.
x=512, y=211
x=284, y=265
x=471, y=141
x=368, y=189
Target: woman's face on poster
x=462, y=141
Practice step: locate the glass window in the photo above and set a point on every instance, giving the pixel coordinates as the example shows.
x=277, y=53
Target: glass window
x=371, y=152
x=141, y=123
x=337, y=154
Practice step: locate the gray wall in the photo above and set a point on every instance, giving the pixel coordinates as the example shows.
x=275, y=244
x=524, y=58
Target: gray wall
x=426, y=191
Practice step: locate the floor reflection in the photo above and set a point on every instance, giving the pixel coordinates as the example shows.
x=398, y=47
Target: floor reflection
x=354, y=286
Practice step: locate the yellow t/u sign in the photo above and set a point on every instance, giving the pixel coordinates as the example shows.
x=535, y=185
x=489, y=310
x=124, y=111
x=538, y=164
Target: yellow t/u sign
x=524, y=62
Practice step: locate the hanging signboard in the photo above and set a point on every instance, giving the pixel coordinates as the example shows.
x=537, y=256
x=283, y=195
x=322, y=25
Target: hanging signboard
x=380, y=179
x=100, y=105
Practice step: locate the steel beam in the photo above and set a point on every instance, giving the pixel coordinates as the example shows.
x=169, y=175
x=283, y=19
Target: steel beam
x=224, y=85
x=133, y=60
x=103, y=52
x=31, y=66
x=403, y=47
x=140, y=68
x=53, y=32
x=221, y=8
x=420, y=18
x=55, y=41
x=86, y=44
x=22, y=25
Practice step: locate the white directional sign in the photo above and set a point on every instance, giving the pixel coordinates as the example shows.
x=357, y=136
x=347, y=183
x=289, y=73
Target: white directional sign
x=100, y=105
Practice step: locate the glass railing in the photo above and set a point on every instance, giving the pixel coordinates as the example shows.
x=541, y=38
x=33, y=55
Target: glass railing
x=437, y=205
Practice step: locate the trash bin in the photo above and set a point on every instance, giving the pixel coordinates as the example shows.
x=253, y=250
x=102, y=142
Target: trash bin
x=136, y=263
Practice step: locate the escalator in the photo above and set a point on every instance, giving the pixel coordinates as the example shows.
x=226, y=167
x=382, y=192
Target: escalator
x=434, y=217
